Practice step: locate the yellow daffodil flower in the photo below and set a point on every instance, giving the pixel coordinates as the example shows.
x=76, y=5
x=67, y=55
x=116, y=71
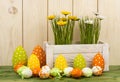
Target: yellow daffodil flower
x=51, y=17
x=72, y=18
x=61, y=23
x=63, y=19
x=65, y=12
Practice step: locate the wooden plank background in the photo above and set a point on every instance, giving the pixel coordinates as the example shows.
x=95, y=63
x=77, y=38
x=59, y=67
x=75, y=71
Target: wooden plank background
x=10, y=29
x=34, y=23
x=111, y=27
x=29, y=26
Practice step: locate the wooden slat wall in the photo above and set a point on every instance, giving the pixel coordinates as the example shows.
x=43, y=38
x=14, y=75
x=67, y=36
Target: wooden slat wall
x=111, y=27
x=55, y=7
x=29, y=26
x=10, y=30
x=34, y=23
x=84, y=7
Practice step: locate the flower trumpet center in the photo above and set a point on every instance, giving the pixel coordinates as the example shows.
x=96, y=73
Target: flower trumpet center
x=65, y=12
x=72, y=18
x=63, y=19
x=61, y=23
x=51, y=17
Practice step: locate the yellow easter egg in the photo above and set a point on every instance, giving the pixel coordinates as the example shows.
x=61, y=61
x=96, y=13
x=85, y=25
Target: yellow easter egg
x=60, y=62
x=40, y=53
x=33, y=62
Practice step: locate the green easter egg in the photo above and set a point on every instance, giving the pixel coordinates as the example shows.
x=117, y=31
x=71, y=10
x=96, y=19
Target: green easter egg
x=55, y=72
x=19, y=56
x=79, y=62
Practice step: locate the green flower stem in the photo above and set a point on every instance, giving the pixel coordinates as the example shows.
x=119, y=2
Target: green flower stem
x=98, y=28
x=63, y=34
x=89, y=33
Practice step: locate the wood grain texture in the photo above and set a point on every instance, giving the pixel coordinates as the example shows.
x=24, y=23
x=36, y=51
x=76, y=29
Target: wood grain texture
x=35, y=23
x=111, y=27
x=10, y=30
x=83, y=8
x=55, y=7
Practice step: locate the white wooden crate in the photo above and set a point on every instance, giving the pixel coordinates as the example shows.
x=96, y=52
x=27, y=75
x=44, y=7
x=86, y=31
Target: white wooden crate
x=70, y=51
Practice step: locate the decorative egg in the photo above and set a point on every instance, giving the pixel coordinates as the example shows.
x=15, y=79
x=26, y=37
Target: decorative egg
x=34, y=64
x=87, y=72
x=76, y=73
x=19, y=56
x=97, y=70
x=79, y=62
x=16, y=67
x=19, y=71
x=60, y=62
x=55, y=72
x=67, y=71
x=46, y=68
x=98, y=60
x=26, y=73
x=40, y=53
x=45, y=72
x=36, y=71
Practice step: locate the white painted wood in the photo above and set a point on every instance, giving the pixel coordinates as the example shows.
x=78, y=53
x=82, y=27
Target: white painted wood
x=78, y=48
x=10, y=30
x=106, y=55
x=49, y=55
x=35, y=23
x=70, y=51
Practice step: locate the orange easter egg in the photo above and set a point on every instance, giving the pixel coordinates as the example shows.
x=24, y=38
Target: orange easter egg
x=36, y=71
x=16, y=67
x=76, y=73
x=98, y=60
x=40, y=53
